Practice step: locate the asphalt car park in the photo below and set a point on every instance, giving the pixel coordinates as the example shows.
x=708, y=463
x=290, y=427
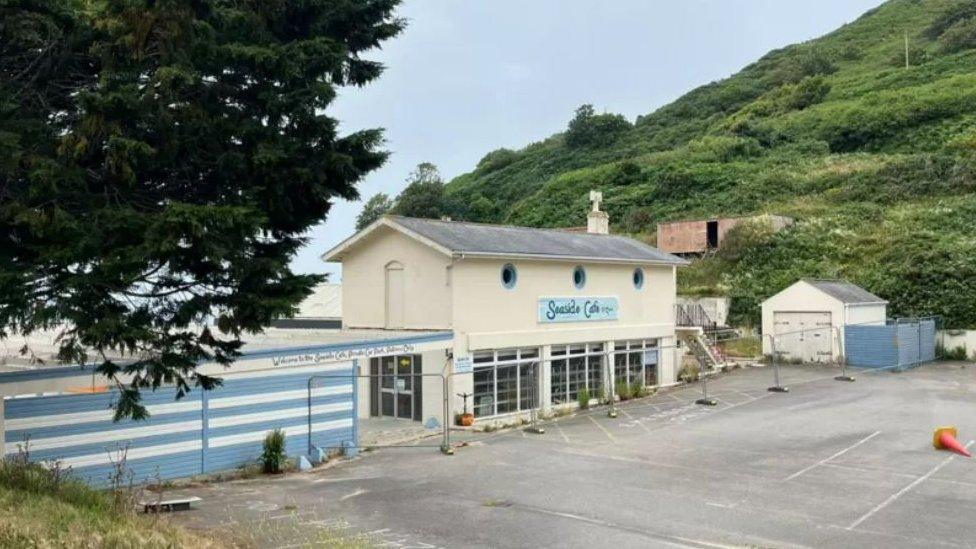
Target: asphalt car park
x=829, y=464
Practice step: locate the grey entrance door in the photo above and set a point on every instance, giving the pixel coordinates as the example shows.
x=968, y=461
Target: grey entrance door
x=396, y=387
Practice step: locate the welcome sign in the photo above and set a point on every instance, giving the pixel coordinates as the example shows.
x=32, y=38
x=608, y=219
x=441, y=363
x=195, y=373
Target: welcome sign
x=308, y=359
x=577, y=309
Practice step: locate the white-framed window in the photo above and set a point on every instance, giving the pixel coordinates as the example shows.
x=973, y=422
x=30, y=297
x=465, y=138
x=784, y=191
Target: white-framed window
x=505, y=381
x=636, y=361
x=575, y=367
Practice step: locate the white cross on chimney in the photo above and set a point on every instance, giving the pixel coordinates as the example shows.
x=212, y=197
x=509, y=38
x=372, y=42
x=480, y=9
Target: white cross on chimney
x=596, y=221
x=596, y=197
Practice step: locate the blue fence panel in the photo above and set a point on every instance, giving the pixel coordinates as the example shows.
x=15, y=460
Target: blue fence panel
x=908, y=351
x=870, y=346
x=898, y=345
x=927, y=340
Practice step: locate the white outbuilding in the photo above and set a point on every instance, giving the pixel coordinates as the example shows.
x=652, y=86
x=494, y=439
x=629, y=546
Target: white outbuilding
x=807, y=319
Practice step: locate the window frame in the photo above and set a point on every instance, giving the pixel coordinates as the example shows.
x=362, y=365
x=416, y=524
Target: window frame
x=635, y=347
x=488, y=361
x=579, y=269
x=514, y=282
x=562, y=357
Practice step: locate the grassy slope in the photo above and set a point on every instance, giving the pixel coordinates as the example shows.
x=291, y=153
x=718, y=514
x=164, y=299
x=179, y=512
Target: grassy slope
x=876, y=161
x=31, y=519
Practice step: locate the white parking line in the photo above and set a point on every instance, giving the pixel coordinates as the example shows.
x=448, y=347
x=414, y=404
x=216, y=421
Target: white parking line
x=640, y=423
x=561, y=432
x=354, y=493
x=602, y=428
x=904, y=490
x=838, y=454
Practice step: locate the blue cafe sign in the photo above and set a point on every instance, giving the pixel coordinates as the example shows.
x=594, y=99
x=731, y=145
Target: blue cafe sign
x=577, y=309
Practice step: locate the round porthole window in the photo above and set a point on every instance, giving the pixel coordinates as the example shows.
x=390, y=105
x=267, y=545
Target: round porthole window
x=638, y=278
x=579, y=277
x=509, y=276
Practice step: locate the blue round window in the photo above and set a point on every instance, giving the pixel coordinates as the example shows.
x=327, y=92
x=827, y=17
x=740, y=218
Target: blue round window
x=638, y=278
x=579, y=277
x=509, y=276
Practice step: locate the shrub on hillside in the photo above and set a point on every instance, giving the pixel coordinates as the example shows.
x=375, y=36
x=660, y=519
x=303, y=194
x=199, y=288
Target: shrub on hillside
x=960, y=36
x=497, y=159
x=725, y=148
x=800, y=62
x=588, y=129
x=639, y=220
x=745, y=236
x=957, y=12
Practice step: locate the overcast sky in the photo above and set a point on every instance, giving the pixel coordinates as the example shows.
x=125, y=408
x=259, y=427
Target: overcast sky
x=470, y=76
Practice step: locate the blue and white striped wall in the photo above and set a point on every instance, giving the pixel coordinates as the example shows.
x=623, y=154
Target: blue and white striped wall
x=204, y=432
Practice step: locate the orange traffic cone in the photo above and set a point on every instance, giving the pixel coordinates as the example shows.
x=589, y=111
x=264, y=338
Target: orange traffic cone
x=945, y=439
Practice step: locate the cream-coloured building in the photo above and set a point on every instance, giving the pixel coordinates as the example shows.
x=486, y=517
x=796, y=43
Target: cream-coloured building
x=517, y=319
x=807, y=319
x=537, y=314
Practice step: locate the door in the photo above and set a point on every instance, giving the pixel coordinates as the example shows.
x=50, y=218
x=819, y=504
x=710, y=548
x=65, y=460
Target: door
x=711, y=234
x=398, y=390
x=394, y=295
x=803, y=336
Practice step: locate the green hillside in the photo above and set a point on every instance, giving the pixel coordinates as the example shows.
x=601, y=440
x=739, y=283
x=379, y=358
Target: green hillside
x=876, y=160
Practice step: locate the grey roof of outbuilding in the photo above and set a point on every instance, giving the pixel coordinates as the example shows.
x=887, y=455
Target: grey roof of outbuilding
x=502, y=240
x=844, y=291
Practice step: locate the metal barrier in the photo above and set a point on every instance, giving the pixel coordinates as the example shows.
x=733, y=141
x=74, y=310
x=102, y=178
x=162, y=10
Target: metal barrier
x=534, y=365
x=534, y=384
x=892, y=344
x=355, y=377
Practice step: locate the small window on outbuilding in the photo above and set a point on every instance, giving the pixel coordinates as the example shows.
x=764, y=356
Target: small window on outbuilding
x=638, y=278
x=509, y=276
x=579, y=277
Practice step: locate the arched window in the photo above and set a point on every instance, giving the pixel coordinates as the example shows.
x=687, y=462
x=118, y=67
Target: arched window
x=395, y=305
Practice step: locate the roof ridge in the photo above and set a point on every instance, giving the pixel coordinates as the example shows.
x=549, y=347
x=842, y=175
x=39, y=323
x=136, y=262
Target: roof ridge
x=501, y=226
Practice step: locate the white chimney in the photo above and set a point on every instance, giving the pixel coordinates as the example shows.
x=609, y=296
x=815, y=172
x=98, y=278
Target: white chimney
x=597, y=222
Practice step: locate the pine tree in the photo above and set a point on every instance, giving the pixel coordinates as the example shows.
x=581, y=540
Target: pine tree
x=160, y=162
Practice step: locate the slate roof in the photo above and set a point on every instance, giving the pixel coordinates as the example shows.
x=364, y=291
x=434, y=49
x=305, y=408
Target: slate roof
x=478, y=239
x=844, y=291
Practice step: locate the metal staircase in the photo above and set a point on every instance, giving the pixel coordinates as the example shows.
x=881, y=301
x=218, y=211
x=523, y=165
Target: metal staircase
x=694, y=339
x=693, y=314
x=692, y=324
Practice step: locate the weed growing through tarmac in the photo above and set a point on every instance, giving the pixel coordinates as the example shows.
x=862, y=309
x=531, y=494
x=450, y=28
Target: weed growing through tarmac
x=497, y=503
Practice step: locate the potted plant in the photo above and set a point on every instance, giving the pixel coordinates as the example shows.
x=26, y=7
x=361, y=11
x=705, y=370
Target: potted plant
x=464, y=419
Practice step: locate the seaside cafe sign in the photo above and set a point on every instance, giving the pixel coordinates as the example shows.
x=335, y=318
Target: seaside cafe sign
x=577, y=309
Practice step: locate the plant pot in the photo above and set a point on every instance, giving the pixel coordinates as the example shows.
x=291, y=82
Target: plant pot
x=467, y=420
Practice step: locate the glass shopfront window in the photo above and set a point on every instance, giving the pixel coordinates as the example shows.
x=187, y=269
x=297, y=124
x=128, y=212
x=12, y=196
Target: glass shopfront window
x=505, y=381
x=636, y=362
x=576, y=367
